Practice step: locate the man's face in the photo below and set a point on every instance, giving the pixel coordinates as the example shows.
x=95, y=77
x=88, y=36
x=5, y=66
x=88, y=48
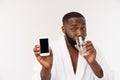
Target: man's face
x=73, y=28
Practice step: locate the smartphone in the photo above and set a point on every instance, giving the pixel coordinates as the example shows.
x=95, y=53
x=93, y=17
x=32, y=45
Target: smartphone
x=44, y=46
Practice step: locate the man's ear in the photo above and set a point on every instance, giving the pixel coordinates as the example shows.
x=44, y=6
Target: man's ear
x=63, y=29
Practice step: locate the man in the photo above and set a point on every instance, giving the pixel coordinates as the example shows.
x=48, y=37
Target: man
x=65, y=61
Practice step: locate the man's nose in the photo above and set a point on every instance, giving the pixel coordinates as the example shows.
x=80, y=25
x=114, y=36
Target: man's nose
x=78, y=33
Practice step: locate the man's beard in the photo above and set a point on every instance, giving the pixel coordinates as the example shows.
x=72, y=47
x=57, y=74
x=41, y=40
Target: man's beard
x=71, y=41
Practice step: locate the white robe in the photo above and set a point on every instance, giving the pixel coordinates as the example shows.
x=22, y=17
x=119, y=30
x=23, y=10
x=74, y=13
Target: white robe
x=62, y=66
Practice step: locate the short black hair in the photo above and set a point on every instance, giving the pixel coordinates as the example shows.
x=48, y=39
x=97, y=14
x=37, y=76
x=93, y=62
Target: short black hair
x=70, y=15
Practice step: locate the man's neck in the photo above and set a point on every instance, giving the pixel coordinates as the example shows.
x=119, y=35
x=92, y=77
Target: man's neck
x=73, y=55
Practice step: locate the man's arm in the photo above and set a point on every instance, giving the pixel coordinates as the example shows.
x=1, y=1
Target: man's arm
x=45, y=74
x=45, y=61
x=96, y=69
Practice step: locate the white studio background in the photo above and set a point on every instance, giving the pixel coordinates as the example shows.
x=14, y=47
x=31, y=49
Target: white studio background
x=22, y=22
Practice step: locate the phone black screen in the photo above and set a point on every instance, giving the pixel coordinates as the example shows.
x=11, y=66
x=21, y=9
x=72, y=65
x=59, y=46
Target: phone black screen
x=44, y=45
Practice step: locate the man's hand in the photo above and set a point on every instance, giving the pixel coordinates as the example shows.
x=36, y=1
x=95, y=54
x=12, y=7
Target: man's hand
x=88, y=50
x=90, y=57
x=45, y=61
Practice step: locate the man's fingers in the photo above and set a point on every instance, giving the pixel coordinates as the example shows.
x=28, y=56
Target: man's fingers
x=37, y=46
x=44, y=63
x=77, y=47
x=87, y=44
x=37, y=54
x=43, y=60
x=37, y=51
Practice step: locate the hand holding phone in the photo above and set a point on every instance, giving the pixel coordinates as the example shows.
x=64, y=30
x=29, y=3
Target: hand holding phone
x=44, y=54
